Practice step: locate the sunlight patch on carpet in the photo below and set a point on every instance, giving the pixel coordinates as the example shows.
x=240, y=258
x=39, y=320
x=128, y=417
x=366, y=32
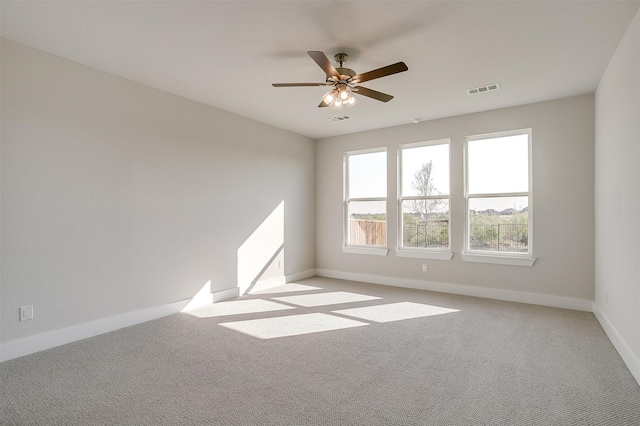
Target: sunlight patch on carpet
x=237, y=307
x=271, y=328
x=395, y=312
x=324, y=299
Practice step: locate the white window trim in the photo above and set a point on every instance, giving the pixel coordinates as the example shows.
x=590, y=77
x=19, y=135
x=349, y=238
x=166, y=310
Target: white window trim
x=371, y=250
x=515, y=259
x=425, y=254
x=421, y=252
x=357, y=249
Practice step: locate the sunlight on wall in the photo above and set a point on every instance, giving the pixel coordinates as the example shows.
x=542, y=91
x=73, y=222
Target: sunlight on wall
x=261, y=256
x=201, y=298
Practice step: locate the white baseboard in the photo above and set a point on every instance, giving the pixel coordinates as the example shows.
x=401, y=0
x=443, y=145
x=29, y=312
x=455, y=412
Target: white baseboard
x=276, y=282
x=627, y=355
x=221, y=296
x=51, y=339
x=262, y=285
x=465, y=290
x=301, y=275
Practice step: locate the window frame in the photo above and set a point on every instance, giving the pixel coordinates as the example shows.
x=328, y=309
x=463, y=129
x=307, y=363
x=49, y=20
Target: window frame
x=355, y=248
x=505, y=258
x=421, y=252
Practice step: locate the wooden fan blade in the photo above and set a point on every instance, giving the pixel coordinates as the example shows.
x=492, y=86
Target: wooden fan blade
x=323, y=104
x=324, y=63
x=297, y=84
x=374, y=94
x=381, y=72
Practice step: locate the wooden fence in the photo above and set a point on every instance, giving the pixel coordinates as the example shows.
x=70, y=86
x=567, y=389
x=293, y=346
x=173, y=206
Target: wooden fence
x=367, y=232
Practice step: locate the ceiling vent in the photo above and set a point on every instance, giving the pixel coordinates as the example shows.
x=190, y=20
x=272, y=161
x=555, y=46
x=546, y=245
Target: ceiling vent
x=483, y=89
x=343, y=118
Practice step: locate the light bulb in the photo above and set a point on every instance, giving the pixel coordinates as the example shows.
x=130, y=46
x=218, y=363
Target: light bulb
x=328, y=98
x=352, y=100
x=344, y=95
x=338, y=103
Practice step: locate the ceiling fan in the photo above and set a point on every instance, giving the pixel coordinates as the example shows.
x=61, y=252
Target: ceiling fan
x=344, y=81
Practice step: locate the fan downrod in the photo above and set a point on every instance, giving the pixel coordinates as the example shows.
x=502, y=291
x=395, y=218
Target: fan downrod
x=341, y=58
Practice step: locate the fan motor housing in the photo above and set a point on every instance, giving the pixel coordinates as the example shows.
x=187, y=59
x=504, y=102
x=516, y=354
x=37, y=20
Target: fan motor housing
x=346, y=71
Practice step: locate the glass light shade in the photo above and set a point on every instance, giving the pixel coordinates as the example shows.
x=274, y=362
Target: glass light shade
x=338, y=98
x=329, y=97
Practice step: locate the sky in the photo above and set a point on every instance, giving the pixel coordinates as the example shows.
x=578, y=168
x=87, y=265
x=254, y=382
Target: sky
x=498, y=165
x=414, y=158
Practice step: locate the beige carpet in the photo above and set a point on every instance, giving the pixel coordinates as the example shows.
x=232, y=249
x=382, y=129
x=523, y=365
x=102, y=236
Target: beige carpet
x=330, y=352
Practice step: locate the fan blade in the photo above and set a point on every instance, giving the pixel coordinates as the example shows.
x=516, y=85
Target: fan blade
x=379, y=96
x=381, y=72
x=297, y=84
x=324, y=63
x=323, y=104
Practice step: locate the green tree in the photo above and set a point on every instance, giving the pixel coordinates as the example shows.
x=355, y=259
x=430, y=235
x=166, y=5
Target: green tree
x=423, y=184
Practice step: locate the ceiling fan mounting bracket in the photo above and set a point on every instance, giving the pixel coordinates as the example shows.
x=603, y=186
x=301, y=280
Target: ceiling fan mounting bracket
x=341, y=58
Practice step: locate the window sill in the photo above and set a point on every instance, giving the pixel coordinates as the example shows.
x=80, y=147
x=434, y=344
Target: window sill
x=499, y=259
x=424, y=254
x=375, y=251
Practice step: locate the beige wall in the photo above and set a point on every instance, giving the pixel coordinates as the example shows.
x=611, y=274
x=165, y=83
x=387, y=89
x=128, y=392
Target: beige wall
x=617, y=195
x=117, y=197
x=563, y=134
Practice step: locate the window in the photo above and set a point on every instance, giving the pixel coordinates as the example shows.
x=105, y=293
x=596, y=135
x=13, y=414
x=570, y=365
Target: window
x=423, y=201
x=498, y=195
x=365, y=203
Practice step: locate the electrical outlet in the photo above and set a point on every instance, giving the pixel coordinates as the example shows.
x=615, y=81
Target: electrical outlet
x=279, y=264
x=26, y=313
x=425, y=267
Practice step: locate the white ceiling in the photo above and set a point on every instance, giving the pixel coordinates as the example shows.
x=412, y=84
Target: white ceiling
x=227, y=53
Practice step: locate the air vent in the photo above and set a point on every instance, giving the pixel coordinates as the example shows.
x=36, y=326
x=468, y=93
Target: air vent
x=336, y=118
x=483, y=89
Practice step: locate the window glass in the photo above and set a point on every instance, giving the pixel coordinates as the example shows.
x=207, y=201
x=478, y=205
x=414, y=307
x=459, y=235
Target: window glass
x=425, y=170
x=367, y=175
x=499, y=224
x=498, y=196
x=367, y=223
x=366, y=199
x=424, y=196
x=429, y=232
x=498, y=164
